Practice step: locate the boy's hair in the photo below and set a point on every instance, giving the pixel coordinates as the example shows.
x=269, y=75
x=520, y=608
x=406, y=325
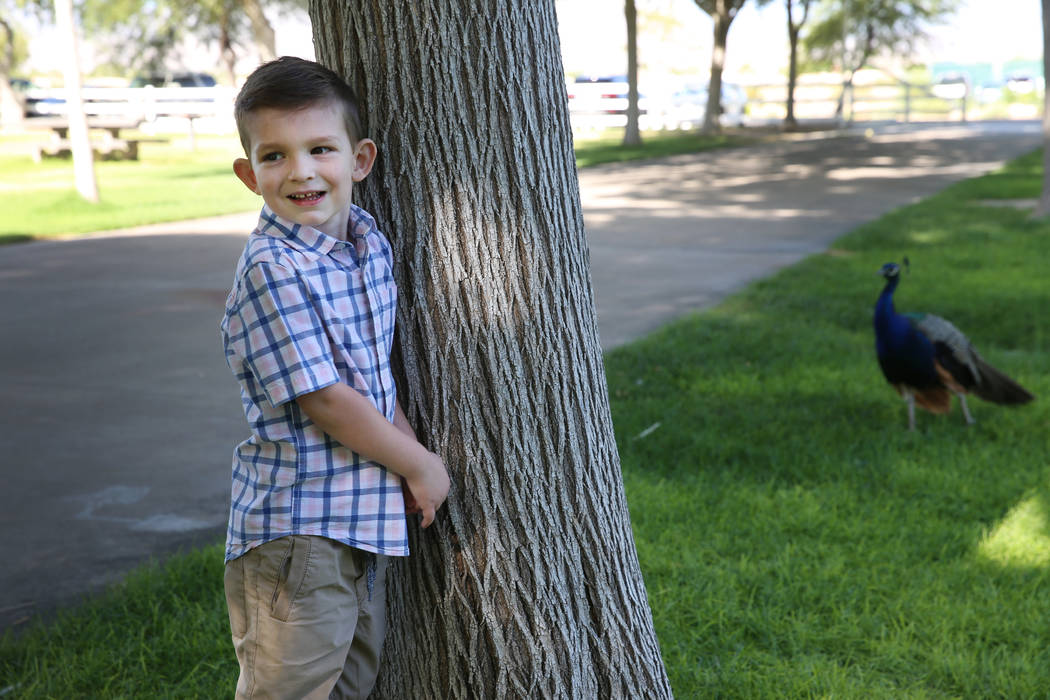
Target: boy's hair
x=294, y=83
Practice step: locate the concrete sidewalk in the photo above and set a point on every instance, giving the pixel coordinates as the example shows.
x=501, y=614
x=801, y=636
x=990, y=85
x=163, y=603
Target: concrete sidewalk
x=119, y=414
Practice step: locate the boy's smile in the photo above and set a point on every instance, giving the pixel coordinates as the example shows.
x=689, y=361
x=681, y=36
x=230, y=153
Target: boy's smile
x=303, y=164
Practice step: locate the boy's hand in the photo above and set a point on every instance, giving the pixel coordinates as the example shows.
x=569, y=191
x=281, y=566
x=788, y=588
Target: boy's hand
x=426, y=489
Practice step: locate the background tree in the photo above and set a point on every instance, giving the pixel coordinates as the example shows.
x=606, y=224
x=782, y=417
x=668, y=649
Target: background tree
x=723, y=12
x=13, y=51
x=794, y=29
x=145, y=35
x=851, y=33
x=528, y=584
x=11, y=105
x=83, y=158
x=632, y=135
x=1043, y=208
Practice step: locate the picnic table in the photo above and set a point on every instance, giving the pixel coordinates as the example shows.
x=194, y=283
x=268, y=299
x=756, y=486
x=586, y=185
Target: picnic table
x=104, y=133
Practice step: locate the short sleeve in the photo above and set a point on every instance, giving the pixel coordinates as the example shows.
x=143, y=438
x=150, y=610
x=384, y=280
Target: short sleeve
x=283, y=339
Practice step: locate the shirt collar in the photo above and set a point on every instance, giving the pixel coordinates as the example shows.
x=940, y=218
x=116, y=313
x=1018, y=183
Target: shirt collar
x=309, y=240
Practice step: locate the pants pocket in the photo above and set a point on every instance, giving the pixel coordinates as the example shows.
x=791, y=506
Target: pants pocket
x=236, y=601
x=290, y=577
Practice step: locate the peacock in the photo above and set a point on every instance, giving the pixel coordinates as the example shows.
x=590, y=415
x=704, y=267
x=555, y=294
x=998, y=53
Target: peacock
x=927, y=359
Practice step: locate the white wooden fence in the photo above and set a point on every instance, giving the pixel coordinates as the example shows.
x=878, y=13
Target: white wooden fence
x=144, y=103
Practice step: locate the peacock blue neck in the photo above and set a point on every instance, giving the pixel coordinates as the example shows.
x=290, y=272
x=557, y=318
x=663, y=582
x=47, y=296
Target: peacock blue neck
x=884, y=306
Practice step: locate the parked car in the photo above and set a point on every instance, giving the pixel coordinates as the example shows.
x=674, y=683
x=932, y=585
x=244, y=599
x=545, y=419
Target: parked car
x=35, y=100
x=686, y=107
x=952, y=86
x=1021, y=84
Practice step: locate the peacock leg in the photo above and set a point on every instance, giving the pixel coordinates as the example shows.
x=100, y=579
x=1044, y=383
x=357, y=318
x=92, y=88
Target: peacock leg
x=966, y=411
x=910, y=398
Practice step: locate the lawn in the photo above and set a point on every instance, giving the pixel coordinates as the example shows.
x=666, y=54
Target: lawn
x=172, y=182
x=796, y=540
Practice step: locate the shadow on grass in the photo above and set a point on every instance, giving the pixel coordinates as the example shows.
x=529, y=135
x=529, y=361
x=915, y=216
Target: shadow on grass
x=6, y=238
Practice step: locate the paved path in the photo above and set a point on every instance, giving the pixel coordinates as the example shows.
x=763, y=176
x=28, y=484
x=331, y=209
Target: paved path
x=117, y=411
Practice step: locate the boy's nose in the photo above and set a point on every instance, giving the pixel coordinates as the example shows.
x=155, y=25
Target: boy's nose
x=302, y=168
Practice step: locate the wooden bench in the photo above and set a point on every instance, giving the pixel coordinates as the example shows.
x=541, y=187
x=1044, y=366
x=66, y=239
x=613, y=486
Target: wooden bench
x=106, y=148
x=105, y=139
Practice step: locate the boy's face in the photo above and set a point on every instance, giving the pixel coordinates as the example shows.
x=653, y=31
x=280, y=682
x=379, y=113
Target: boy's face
x=303, y=164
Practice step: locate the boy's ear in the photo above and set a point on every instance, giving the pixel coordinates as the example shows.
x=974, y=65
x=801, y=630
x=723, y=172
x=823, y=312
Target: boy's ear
x=364, y=158
x=243, y=168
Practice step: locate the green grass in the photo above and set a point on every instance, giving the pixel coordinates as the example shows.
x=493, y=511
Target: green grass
x=169, y=183
x=610, y=149
x=163, y=633
x=796, y=540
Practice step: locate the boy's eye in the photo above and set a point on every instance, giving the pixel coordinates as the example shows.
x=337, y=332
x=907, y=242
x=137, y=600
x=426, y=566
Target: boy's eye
x=319, y=150
x=271, y=156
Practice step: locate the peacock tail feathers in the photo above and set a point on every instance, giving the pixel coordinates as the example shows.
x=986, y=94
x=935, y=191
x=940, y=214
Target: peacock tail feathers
x=996, y=387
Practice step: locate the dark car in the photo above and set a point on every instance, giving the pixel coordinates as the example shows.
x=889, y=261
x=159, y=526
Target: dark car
x=37, y=102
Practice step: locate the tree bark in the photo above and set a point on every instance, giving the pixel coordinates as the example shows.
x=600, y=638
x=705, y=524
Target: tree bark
x=632, y=135
x=1043, y=208
x=528, y=583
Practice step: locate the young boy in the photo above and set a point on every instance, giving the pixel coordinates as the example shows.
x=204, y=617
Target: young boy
x=322, y=486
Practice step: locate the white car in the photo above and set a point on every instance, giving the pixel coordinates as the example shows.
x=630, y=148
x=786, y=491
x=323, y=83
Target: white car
x=688, y=104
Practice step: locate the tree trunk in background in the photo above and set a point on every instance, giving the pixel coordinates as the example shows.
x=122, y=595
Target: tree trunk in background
x=632, y=136
x=528, y=583
x=722, y=19
x=227, y=52
x=262, y=30
x=12, y=109
x=794, y=28
x=1043, y=208
x=83, y=158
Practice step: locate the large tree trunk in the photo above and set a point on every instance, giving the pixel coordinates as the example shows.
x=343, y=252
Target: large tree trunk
x=632, y=135
x=1043, y=208
x=528, y=584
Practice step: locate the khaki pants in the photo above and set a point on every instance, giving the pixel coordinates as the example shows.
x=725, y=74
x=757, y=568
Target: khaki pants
x=302, y=622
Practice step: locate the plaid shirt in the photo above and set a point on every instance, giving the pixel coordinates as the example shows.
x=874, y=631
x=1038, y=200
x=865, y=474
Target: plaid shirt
x=306, y=311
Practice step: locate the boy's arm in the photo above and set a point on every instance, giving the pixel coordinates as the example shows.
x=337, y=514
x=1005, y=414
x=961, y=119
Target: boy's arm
x=401, y=423
x=351, y=419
